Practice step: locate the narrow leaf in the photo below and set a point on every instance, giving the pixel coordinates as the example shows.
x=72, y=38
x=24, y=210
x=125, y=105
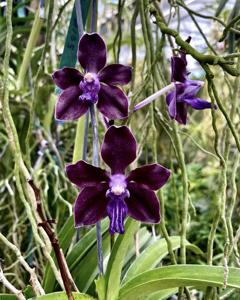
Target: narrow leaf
x=116, y=260
x=200, y=276
x=153, y=254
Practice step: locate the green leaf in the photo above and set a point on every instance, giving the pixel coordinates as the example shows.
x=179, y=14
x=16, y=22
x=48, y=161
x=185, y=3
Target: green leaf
x=85, y=272
x=28, y=292
x=116, y=260
x=100, y=288
x=7, y=297
x=161, y=295
x=176, y=276
x=83, y=246
x=153, y=254
x=69, y=55
x=63, y=296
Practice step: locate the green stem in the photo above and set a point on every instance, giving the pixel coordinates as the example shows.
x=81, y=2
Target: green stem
x=32, y=41
x=230, y=24
x=133, y=43
x=185, y=200
x=201, y=58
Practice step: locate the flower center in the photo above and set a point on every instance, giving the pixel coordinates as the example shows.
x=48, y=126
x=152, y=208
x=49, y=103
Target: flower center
x=90, y=87
x=117, y=209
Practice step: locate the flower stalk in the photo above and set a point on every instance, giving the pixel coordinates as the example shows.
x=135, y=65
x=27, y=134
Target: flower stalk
x=154, y=96
x=95, y=161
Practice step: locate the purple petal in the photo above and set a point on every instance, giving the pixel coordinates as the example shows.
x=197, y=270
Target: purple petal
x=181, y=115
x=198, y=103
x=179, y=70
x=152, y=176
x=92, y=53
x=69, y=106
x=67, y=77
x=112, y=102
x=143, y=204
x=172, y=105
x=83, y=174
x=116, y=74
x=90, y=205
x=188, y=90
x=118, y=148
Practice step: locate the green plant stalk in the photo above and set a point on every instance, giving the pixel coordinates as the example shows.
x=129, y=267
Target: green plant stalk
x=78, y=144
x=49, y=115
x=214, y=18
x=201, y=58
x=232, y=201
x=164, y=229
x=33, y=38
x=151, y=62
x=118, y=38
x=95, y=162
x=220, y=209
x=229, y=25
x=227, y=117
x=14, y=141
x=36, y=82
x=150, y=50
x=133, y=43
x=185, y=199
x=201, y=32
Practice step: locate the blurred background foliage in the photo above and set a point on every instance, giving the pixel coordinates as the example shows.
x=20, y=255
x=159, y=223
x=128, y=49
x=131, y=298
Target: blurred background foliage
x=49, y=145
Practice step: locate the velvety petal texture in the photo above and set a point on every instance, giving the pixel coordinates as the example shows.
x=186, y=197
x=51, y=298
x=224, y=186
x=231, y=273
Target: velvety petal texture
x=92, y=52
x=185, y=90
x=116, y=74
x=91, y=205
x=66, y=77
x=112, y=102
x=119, y=148
x=179, y=70
x=152, y=176
x=117, y=195
x=83, y=174
x=181, y=115
x=69, y=106
x=198, y=103
x=143, y=204
x=172, y=104
x=96, y=85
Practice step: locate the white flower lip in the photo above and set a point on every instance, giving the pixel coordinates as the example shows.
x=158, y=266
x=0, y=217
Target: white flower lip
x=89, y=77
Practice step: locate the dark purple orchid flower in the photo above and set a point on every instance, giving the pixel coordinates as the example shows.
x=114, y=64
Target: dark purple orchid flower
x=97, y=85
x=185, y=91
x=115, y=194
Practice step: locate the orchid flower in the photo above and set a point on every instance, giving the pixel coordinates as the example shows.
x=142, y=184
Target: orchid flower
x=97, y=85
x=185, y=91
x=115, y=194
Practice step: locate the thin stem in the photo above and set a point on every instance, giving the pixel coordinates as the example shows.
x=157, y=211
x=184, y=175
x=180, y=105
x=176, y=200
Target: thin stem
x=10, y=287
x=154, y=96
x=230, y=24
x=95, y=162
x=164, y=229
x=201, y=58
x=181, y=3
x=185, y=200
x=79, y=17
x=45, y=224
x=201, y=32
x=34, y=35
x=93, y=25
x=133, y=43
x=33, y=277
